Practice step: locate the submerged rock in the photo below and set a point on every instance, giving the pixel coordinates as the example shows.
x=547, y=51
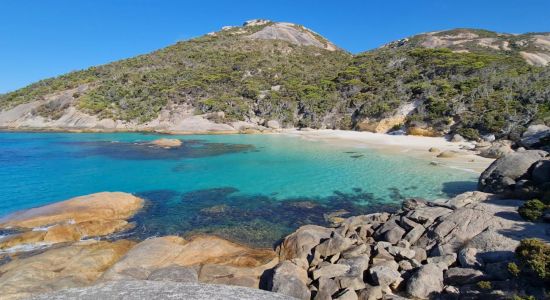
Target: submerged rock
x=167, y=143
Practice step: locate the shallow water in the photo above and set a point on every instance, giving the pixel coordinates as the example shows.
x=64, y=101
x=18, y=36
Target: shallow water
x=250, y=188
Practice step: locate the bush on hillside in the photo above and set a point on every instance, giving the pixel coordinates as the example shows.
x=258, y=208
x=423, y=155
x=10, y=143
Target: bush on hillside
x=532, y=210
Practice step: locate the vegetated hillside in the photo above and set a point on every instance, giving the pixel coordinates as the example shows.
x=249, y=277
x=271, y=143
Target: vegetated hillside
x=244, y=71
x=467, y=81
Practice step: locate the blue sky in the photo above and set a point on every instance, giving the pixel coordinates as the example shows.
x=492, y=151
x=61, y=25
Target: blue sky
x=45, y=38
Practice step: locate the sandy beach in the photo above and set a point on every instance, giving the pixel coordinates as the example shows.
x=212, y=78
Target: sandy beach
x=415, y=146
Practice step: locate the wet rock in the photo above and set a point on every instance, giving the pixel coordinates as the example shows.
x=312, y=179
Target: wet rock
x=461, y=276
x=425, y=282
x=290, y=280
x=300, y=243
x=174, y=273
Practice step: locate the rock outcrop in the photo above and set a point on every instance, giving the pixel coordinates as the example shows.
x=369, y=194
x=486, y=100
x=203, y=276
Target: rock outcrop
x=294, y=34
x=416, y=252
x=517, y=174
x=93, y=215
x=73, y=266
x=216, y=260
x=120, y=290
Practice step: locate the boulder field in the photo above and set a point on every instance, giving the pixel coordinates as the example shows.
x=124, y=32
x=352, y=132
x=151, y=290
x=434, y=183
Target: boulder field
x=425, y=249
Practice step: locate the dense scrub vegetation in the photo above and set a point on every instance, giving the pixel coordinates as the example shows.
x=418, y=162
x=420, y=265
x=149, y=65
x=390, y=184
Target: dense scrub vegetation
x=472, y=92
x=469, y=93
x=533, y=210
x=211, y=73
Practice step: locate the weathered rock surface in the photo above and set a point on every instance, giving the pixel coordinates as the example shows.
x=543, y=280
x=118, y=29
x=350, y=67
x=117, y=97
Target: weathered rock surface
x=292, y=33
x=300, y=243
x=73, y=266
x=222, y=262
x=497, y=149
x=534, y=135
x=145, y=290
x=459, y=240
x=426, y=282
x=503, y=174
x=290, y=280
x=67, y=221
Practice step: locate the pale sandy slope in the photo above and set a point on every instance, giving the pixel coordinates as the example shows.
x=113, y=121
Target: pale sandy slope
x=416, y=146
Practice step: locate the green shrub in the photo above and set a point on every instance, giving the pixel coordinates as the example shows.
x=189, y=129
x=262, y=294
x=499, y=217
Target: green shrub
x=513, y=269
x=484, y=285
x=532, y=210
x=534, y=258
x=469, y=133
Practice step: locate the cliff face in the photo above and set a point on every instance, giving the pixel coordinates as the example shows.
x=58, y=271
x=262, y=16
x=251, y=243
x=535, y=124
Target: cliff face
x=472, y=82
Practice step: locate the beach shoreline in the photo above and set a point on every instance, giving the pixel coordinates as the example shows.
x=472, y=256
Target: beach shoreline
x=414, y=146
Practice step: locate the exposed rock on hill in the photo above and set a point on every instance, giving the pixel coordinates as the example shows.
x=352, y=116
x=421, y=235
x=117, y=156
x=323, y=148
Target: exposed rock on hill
x=292, y=33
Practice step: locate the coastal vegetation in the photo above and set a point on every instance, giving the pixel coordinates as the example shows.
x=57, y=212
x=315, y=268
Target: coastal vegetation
x=466, y=81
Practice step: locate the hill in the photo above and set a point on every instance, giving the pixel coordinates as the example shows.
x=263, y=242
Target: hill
x=467, y=81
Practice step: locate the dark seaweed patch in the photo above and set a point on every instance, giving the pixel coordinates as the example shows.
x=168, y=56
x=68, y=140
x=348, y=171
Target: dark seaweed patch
x=146, y=151
x=258, y=220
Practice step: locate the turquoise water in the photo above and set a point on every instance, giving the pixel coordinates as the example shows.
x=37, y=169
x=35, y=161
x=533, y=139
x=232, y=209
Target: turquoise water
x=252, y=188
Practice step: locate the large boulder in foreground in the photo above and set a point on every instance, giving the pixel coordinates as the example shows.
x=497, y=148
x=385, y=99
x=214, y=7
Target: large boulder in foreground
x=119, y=290
x=92, y=215
x=217, y=260
x=503, y=174
x=73, y=266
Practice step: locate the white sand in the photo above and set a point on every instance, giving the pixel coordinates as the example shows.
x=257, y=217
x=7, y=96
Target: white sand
x=416, y=146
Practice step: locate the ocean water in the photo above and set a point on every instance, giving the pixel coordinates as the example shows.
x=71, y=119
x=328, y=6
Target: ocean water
x=250, y=188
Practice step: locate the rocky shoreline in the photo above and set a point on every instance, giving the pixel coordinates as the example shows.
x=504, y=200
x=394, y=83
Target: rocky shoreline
x=459, y=248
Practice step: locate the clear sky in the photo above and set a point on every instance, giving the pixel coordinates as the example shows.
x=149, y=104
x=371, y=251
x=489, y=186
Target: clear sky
x=45, y=38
